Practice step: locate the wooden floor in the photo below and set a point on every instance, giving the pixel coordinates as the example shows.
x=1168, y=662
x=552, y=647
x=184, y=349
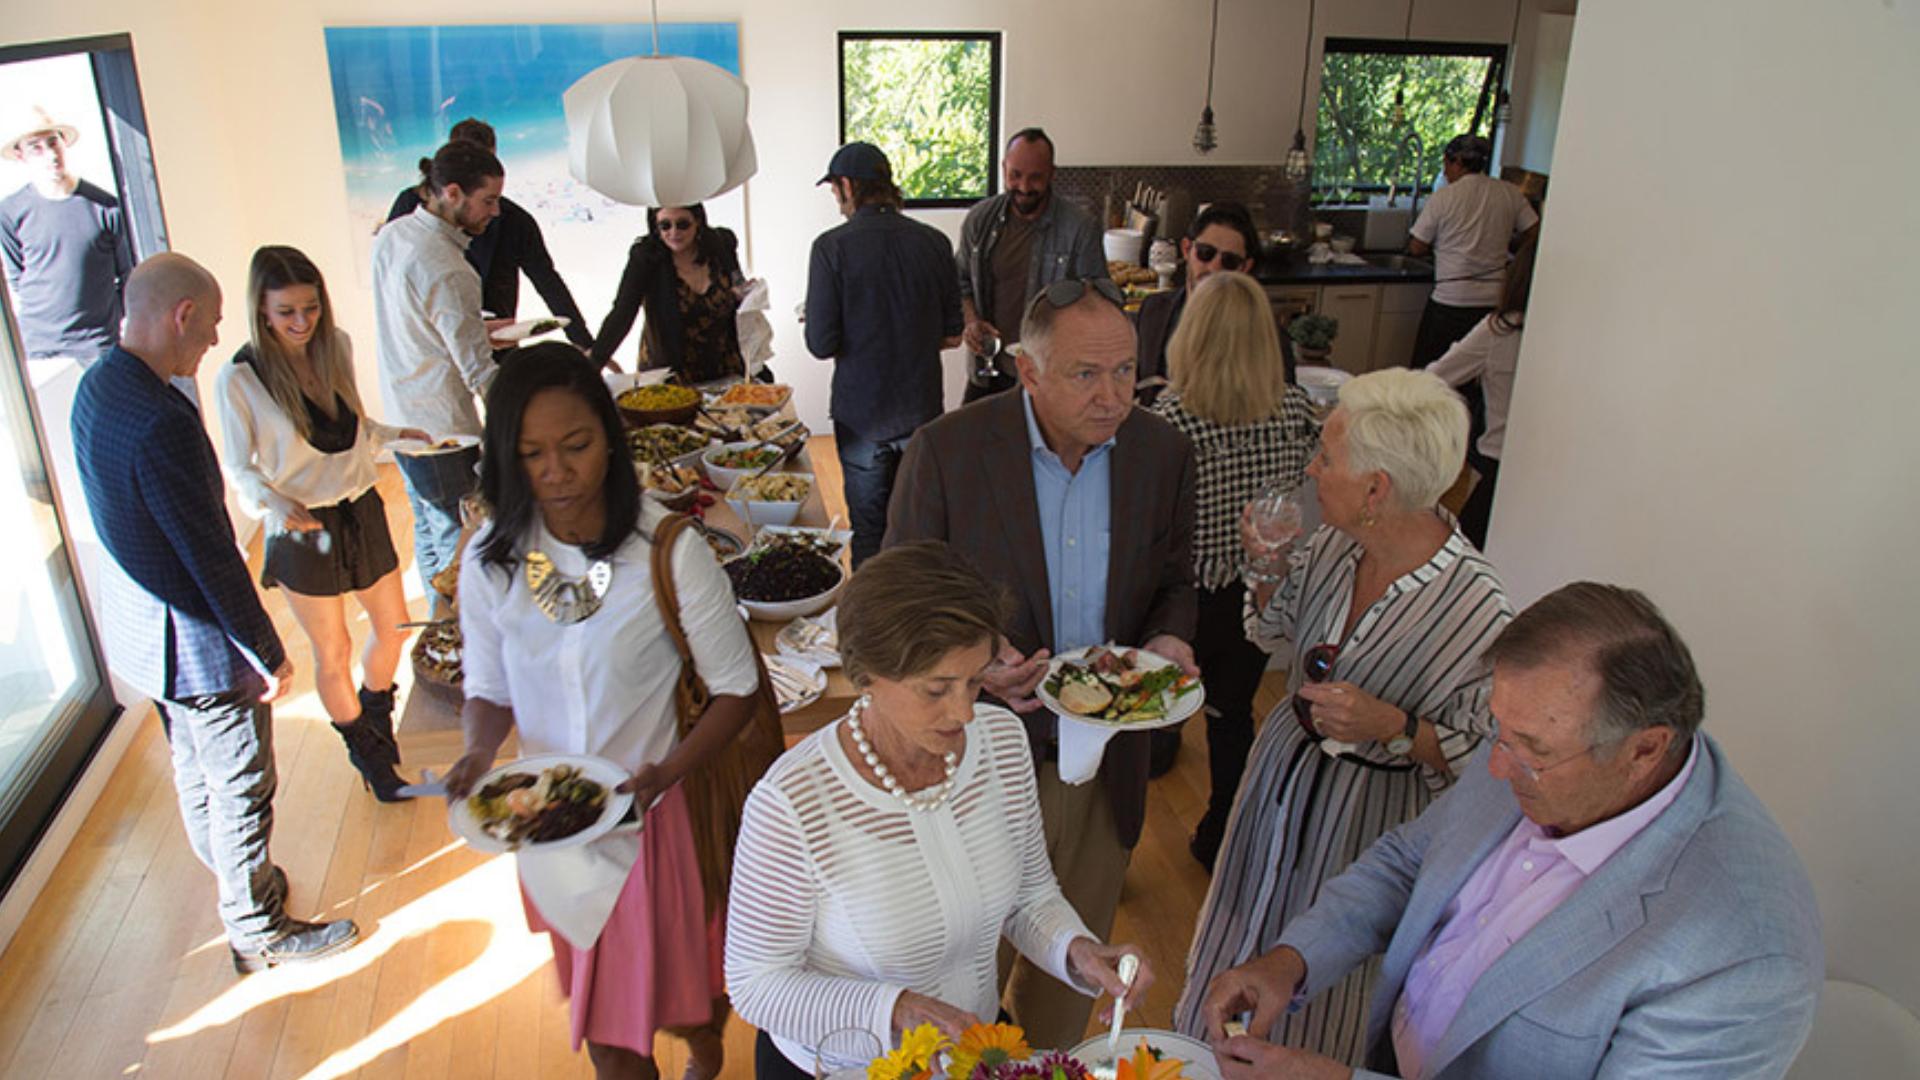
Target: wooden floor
x=121, y=969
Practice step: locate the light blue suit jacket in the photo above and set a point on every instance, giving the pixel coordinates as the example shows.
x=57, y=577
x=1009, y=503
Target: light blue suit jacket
x=1693, y=952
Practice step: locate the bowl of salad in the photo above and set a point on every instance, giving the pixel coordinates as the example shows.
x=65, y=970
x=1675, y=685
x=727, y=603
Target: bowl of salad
x=731, y=461
x=773, y=499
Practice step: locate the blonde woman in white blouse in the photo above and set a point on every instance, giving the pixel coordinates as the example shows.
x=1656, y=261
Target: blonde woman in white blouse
x=882, y=859
x=299, y=449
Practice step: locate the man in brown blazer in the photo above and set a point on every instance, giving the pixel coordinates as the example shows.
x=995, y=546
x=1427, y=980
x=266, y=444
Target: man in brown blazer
x=1083, y=506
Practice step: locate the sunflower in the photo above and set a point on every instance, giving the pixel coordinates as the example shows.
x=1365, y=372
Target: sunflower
x=989, y=1046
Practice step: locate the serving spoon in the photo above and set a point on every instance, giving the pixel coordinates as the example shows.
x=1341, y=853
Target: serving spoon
x=1129, y=967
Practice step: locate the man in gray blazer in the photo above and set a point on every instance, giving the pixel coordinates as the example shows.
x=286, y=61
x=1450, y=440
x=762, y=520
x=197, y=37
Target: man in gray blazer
x=1083, y=506
x=1600, y=895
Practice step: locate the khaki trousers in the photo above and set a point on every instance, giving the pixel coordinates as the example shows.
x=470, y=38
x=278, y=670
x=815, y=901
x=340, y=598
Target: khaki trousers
x=1091, y=866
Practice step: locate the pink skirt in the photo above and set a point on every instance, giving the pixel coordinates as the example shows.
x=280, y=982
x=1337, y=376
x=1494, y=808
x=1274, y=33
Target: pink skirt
x=658, y=963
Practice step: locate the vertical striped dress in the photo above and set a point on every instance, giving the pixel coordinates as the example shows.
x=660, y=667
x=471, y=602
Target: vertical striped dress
x=1302, y=815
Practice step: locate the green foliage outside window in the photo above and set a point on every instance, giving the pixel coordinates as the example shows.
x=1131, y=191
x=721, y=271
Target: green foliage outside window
x=928, y=103
x=1356, y=143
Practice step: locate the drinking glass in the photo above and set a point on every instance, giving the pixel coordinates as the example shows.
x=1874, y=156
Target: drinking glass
x=1277, y=519
x=844, y=1054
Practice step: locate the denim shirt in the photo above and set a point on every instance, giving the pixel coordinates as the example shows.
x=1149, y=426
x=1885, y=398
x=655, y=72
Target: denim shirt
x=1076, y=521
x=1066, y=244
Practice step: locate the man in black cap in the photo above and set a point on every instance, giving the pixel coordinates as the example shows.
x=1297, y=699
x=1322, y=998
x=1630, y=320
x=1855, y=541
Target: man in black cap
x=882, y=301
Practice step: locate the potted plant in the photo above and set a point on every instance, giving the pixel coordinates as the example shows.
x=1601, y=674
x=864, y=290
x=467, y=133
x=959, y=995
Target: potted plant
x=1313, y=335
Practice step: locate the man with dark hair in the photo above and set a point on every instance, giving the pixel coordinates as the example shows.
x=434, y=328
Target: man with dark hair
x=434, y=355
x=882, y=302
x=1601, y=895
x=1222, y=237
x=1084, y=506
x=1013, y=244
x=180, y=619
x=510, y=245
x=1469, y=225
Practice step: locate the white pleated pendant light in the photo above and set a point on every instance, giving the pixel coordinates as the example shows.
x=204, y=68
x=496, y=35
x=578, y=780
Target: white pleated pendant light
x=659, y=130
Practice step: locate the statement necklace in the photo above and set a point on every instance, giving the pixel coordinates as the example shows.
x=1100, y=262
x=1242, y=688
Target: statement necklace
x=926, y=800
x=564, y=599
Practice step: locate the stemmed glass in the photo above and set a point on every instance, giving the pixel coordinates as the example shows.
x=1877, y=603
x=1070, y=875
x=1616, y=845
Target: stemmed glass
x=1276, y=519
x=857, y=1046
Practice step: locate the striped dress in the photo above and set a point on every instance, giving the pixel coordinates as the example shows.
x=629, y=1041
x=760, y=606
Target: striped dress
x=1302, y=816
x=843, y=898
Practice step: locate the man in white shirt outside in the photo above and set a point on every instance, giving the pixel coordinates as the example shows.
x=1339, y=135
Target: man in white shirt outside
x=435, y=357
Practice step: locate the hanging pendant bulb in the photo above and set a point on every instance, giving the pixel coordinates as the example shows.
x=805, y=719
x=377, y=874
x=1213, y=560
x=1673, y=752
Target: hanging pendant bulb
x=1399, y=106
x=1297, y=160
x=1204, y=135
x=1297, y=157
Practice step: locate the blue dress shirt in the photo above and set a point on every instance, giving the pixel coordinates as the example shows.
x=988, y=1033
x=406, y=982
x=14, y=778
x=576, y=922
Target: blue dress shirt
x=1076, y=517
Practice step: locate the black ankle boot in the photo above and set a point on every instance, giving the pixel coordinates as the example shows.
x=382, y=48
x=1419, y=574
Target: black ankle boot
x=370, y=754
x=376, y=706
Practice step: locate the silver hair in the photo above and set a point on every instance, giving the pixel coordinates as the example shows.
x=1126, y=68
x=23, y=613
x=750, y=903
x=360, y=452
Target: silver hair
x=1409, y=425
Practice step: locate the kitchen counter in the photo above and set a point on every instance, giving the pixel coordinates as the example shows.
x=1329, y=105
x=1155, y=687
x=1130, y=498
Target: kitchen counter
x=1383, y=268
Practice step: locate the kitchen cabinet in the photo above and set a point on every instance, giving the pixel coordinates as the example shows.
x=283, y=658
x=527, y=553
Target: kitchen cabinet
x=1356, y=307
x=1398, y=323
x=1289, y=301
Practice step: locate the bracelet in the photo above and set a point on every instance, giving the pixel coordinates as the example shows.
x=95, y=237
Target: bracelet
x=1260, y=577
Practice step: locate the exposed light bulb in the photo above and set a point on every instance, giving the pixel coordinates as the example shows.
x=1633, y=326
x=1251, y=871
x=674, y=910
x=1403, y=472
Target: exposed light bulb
x=1297, y=157
x=1204, y=139
x=1399, y=107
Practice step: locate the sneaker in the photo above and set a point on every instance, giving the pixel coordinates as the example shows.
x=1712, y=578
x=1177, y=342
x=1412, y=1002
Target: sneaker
x=302, y=942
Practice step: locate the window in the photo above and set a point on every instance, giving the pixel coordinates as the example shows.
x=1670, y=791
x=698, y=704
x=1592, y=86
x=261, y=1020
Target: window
x=931, y=101
x=1439, y=89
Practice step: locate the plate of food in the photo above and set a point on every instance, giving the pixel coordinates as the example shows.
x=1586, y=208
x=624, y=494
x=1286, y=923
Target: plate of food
x=527, y=328
x=541, y=803
x=1195, y=1057
x=783, y=580
x=421, y=447
x=1123, y=688
x=827, y=542
x=756, y=395
x=661, y=444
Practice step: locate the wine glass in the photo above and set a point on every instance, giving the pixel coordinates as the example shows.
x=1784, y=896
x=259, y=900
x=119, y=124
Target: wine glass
x=1277, y=519
x=845, y=1053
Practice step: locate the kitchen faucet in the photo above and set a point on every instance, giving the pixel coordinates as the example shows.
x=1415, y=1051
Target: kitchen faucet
x=1400, y=155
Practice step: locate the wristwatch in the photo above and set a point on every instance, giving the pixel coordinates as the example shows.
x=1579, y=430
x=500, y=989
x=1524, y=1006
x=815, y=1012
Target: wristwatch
x=1402, y=743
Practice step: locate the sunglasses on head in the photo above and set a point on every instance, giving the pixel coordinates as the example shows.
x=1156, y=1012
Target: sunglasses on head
x=1316, y=665
x=1229, y=261
x=1068, y=291
x=674, y=224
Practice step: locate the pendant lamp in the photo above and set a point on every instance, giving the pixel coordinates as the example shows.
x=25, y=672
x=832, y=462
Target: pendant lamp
x=659, y=130
x=1204, y=139
x=1297, y=157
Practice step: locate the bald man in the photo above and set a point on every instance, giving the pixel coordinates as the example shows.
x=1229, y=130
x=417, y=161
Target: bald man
x=181, y=620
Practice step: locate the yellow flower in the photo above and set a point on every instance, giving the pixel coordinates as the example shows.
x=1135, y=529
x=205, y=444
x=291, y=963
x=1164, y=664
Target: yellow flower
x=919, y=1045
x=991, y=1045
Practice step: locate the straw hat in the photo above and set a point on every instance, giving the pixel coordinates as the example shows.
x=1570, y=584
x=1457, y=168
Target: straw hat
x=31, y=120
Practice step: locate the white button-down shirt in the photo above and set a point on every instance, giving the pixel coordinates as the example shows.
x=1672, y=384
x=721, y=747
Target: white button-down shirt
x=434, y=355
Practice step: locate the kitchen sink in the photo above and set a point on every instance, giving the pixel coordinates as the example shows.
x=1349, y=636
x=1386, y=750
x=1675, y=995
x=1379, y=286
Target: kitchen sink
x=1410, y=264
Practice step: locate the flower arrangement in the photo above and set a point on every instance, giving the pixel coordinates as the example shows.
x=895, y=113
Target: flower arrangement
x=1000, y=1052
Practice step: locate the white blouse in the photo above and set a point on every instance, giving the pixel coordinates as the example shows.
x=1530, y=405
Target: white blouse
x=603, y=685
x=843, y=898
x=1492, y=356
x=271, y=465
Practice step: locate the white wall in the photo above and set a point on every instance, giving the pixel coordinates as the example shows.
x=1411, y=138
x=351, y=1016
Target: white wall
x=1716, y=404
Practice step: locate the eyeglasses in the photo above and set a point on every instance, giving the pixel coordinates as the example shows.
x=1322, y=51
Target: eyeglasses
x=1316, y=665
x=40, y=144
x=1229, y=261
x=1534, y=773
x=675, y=224
x=1067, y=292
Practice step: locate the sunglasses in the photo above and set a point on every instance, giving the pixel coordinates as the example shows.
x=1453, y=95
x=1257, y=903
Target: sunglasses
x=675, y=224
x=1068, y=291
x=1229, y=261
x=1317, y=665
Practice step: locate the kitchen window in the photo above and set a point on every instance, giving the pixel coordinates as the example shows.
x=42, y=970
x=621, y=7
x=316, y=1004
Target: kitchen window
x=1388, y=108
x=931, y=101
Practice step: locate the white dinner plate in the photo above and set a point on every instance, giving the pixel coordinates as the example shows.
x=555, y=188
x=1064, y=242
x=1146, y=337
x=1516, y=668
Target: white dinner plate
x=1196, y=1058
x=524, y=329
x=1178, y=708
x=460, y=819
x=421, y=448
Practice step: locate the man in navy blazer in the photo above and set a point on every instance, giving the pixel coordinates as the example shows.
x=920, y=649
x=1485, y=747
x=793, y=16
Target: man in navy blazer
x=1601, y=895
x=181, y=620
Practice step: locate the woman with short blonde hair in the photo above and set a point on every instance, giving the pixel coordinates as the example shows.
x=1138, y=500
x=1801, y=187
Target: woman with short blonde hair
x=1249, y=429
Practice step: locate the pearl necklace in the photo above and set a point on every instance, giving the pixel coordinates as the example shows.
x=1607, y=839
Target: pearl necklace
x=927, y=800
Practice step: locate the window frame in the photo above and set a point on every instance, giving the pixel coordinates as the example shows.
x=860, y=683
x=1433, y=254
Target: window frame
x=1496, y=53
x=995, y=41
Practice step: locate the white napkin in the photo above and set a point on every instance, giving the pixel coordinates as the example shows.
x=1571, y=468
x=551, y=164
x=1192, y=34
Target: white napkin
x=1334, y=747
x=575, y=888
x=1081, y=747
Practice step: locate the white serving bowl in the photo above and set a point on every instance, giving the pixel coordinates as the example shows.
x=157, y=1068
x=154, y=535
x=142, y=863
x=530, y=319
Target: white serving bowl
x=758, y=512
x=722, y=476
x=787, y=610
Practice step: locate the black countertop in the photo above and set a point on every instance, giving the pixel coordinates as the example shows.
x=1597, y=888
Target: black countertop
x=1296, y=270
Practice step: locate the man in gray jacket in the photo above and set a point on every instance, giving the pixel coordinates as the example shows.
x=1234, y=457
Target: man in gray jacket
x=1011, y=246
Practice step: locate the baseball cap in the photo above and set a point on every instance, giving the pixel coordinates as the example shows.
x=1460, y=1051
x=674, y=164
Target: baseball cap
x=858, y=161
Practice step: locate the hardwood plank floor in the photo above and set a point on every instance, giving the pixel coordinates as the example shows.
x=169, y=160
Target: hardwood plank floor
x=120, y=969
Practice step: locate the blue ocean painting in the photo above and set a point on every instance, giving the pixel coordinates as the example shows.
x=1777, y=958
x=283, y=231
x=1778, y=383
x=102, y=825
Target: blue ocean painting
x=398, y=89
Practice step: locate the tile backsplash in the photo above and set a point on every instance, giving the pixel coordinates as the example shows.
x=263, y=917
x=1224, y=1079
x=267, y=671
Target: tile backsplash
x=1264, y=189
